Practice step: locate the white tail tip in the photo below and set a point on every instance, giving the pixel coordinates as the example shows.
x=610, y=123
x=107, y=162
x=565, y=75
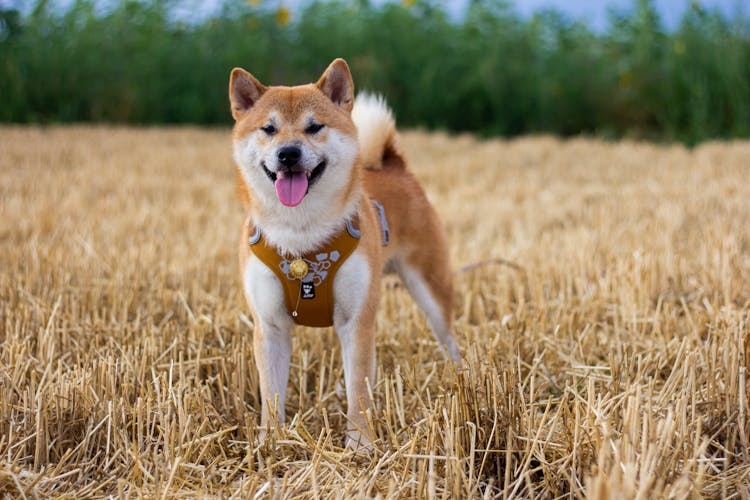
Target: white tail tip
x=376, y=127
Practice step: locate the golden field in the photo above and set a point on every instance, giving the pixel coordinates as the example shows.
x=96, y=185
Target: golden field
x=603, y=304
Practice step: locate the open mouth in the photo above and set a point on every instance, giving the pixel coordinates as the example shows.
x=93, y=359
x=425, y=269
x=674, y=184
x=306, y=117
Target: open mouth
x=292, y=185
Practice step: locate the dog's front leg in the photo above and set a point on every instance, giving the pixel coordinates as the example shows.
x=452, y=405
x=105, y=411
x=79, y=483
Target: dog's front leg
x=273, y=352
x=358, y=352
x=271, y=339
x=354, y=321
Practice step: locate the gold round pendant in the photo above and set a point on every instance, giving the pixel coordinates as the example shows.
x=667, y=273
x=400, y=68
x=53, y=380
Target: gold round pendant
x=298, y=269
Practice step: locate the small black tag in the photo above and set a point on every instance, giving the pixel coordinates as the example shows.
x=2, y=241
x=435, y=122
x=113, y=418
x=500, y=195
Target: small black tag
x=308, y=291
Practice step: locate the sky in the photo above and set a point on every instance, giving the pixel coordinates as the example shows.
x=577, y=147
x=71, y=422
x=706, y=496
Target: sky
x=594, y=12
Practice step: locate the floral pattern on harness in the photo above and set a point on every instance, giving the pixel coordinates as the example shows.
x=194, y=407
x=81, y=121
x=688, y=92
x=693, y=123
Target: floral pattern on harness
x=318, y=267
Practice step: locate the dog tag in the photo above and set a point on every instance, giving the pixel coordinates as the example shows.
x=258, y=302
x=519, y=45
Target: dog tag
x=298, y=269
x=307, y=291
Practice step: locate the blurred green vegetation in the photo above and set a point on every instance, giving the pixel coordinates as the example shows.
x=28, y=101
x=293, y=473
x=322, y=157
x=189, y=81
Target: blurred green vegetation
x=491, y=72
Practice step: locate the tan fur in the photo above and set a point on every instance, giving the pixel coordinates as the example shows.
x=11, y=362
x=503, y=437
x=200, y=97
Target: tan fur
x=417, y=238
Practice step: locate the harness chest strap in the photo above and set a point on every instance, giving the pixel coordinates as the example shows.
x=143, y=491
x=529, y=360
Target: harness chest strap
x=309, y=300
x=311, y=297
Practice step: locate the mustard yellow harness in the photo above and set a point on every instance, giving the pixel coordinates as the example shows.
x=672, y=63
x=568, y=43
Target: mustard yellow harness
x=307, y=280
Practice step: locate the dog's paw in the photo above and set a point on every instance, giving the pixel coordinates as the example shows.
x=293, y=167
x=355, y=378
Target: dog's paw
x=358, y=442
x=451, y=351
x=260, y=438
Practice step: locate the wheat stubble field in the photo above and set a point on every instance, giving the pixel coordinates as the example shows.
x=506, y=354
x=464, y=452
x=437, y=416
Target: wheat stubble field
x=606, y=354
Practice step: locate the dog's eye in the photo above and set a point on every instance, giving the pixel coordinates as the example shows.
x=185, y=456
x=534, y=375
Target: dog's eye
x=268, y=129
x=313, y=128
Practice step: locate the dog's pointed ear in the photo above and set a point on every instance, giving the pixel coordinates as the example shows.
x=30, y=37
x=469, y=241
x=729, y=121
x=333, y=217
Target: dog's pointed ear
x=337, y=84
x=244, y=92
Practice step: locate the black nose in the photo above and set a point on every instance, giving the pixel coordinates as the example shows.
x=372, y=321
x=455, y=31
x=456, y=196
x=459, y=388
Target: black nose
x=289, y=155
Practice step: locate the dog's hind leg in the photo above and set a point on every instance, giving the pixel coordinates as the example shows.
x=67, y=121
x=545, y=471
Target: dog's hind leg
x=430, y=283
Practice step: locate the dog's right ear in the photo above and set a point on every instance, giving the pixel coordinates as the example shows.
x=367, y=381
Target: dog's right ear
x=244, y=92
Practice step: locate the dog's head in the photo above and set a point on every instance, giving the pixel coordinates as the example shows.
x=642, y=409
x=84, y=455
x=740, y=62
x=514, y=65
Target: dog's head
x=295, y=146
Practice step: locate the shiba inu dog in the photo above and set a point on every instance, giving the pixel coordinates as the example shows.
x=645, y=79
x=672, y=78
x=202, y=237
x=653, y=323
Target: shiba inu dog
x=330, y=204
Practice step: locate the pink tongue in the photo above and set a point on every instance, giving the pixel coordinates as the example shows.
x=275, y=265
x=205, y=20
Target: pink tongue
x=291, y=187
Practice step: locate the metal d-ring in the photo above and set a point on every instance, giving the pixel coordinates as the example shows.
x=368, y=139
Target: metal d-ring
x=255, y=237
x=353, y=231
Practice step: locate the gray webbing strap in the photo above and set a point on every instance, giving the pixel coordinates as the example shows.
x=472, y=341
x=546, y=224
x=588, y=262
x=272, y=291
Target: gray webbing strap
x=383, y=222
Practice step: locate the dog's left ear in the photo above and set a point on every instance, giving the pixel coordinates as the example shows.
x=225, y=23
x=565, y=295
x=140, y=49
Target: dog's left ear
x=337, y=84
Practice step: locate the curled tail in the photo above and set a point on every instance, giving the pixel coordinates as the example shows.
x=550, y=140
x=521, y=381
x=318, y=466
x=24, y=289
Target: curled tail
x=378, y=139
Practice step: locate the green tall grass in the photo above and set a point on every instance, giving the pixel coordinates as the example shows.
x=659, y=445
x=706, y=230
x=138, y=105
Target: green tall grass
x=491, y=72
